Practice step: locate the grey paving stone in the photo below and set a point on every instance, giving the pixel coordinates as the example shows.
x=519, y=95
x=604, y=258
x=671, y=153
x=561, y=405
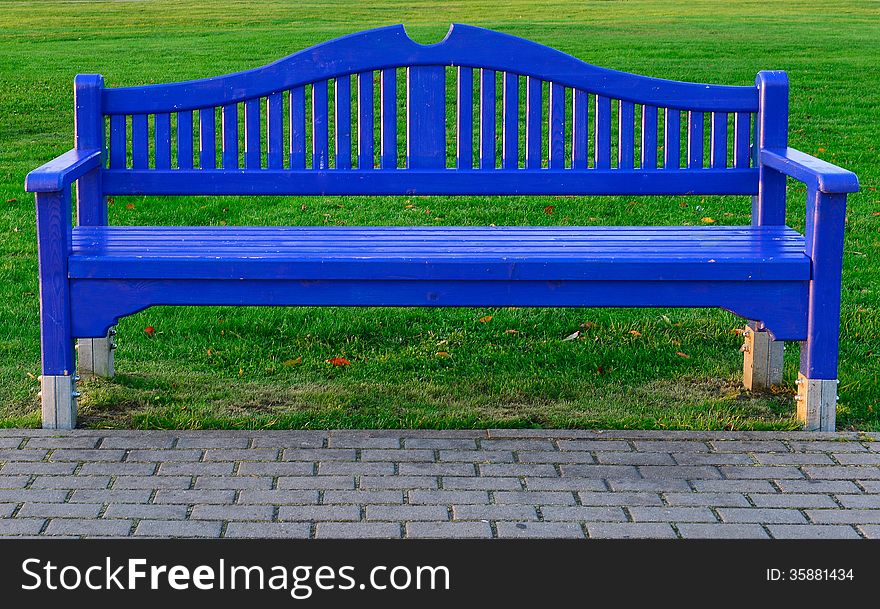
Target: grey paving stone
x=826, y=446
x=793, y=500
x=31, y=495
x=444, y=497
x=817, y=472
x=441, y=443
x=721, y=531
x=263, y=483
x=364, y=497
x=269, y=530
x=871, y=502
x=64, y=454
x=570, y=513
x=672, y=514
x=21, y=526
x=713, y=459
x=817, y=486
x=631, y=530
x=10, y=482
x=477, y=456
x=274, y=468
x=280, y=497
x=6, y=510
x=319, y=454
x=164, y=456
x=594, y=445
x=858, y=458
x=542, y=530
x=13, y=442
x=707, y=499
x=117, y=469
x=403, y=513
x=319, y=513
x=793, y=459
x=178, y=528
x=519, y=469
x=762, y=515
x=871, y=531
x=192, y=497
x=197, y=469
x=743, y=446
x=634, y=458
x=489, y=484
x=534, y=497
x=436, y=469
x=847, y=516
x=212, y=442
x=111, y=496
x=316, y=482
x=232, y=512
x=146, y=511
x=658, y=485
x=611, y=472
x=346, y=441
x=565, y=484
x=157, y=482
x=528, y=445
x=357, y=530
x=375, y=468
x=249, y=454
x=48, y=482
x=89, y=528
x=870, y=486
x=494, y=512
x=60, y=510
x=812, y=531
x=64, y=441
x=397, y=455
x=137, y=442
x=292, y=438
x=39, y=468
x=448, y=530
x=619, y=498
x=398, y=482
x=557, y=457
x=14, y=454
x=766, y=472
x=689, y=472
x=673, y=446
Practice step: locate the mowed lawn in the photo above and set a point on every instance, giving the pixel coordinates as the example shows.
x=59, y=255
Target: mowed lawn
x=267, y=367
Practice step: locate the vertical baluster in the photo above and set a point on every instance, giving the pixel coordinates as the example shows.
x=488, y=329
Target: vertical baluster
x=388, y=109
x=672, y=139
x=342, y=122
x=140, y=145
x=207, y=139
x=695, y=140
x=580, y=129
x=275, y=131
x=487, y=119
x=718, y=149
x=510, y=122
x=185, y=139
x=649, y=137
x=741, y=137
x=162, y=140
x=626, y=120
x=366, y=135
x=298, y=128
x=117, y=142
x=230, y=136
x=534, y=107
x=557, y=126
x=603, y=132
x=465, y=118
x=426, y=117
x=320, y=128
x=252, y=152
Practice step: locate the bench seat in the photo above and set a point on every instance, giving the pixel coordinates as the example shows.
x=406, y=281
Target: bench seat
x=736, y=253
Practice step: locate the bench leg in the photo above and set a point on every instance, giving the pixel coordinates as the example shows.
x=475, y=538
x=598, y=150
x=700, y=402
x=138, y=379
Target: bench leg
x=817, y=403
x=59, y=401
x=95, y=356
x=762, y=360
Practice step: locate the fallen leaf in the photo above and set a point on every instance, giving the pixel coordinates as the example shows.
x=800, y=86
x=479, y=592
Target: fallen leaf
x=549, y=210
x=572, y=336
x=302, y=207
x=129, y=206
x=684, y=355
x=682, y=204
x=240, y=371
x=635, y=333
x=600, y=370
x=149, y=330
x=511, y=331
x=821, y=150
x=485, y=319
x=738, y=331
x=296, y=361
x=338, y=362
x=708, y=220
x=13, y=200
x=587, y=325
x=442, y=354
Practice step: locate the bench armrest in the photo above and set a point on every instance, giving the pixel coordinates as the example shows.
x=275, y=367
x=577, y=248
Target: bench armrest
x=62, y=171
x=813, y=172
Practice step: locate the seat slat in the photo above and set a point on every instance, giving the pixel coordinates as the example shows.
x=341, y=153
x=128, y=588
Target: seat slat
x=580, y=114
x=487, y=119
x=602, y=133
x=649, y=137
x=672, y=139
x=465, y=119
x=275, y=131
x=185, y=139
x=695, y=140
x=162, y=140
x=230, y=136
x=534, y=140
x=741, y=137
x=342, y=122
x=557, y=126
x=626, y=135
x=426, y=117
x=320, y=127
x=207, y=139
x=118, y=151
x=718, y=151
x=388, y=109
x=297, y=128
x=140, y=145
x=252, y=146
x=365, y=131
x=510, y=130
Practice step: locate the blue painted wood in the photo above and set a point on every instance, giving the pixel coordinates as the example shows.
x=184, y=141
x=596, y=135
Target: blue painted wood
x=695, y=140
x=510, y=122
x=230, y=136
x=275, y=131
x=162, y=140
x=118, y=142
x=320, y=126
x=426, y=117
x=534, y=122
x=580, y=114
x=297, y=128
x=672, y=140
x=91, y=208
x=465, y=119
x=207, y=139
x=649, y=138
x=140, y=142
x=62, y=171
x=252, y=145
x=366, y=132
x=557, y=126
x=741, y=140
x=184, y=139
x=813, y=172
x=602, y=133
x=487, y=119
x=342, y=122
x=388, y=109
x=626, y=118
x=718, y=139
x=771, y=126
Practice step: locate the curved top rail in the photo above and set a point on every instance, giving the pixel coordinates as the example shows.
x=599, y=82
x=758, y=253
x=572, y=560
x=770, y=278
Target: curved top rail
x=391, y=47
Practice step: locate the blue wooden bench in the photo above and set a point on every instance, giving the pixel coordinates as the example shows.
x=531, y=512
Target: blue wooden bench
x=253, y=133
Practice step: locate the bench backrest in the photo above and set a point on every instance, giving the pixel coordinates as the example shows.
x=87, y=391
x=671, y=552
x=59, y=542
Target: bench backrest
x=370, y=113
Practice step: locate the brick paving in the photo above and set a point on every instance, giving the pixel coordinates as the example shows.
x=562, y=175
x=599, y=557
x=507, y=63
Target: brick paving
x=437, y=484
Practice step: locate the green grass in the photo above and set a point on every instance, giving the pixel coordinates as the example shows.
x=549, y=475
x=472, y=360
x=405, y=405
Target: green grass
x=236, y=367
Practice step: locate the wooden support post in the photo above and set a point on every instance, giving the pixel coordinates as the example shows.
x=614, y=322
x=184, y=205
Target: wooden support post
x=95, y=356
x=762, y=360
